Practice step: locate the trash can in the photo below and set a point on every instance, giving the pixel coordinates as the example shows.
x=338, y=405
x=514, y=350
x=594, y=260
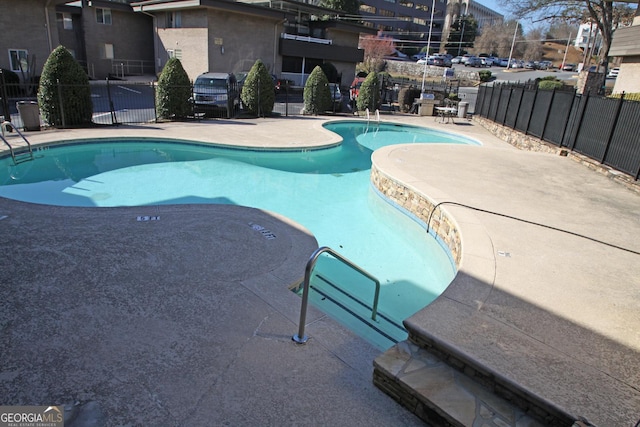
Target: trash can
x=463, y=107
x=29, y=114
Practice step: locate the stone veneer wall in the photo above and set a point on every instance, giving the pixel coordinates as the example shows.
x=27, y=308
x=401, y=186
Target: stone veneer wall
x=442, y=224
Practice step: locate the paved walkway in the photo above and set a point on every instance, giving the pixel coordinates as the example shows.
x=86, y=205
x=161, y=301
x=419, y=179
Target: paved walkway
x=187, y=319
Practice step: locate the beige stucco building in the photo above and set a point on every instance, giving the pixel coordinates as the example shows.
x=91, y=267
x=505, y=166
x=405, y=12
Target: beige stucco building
x=626, y=45
x=118, y=38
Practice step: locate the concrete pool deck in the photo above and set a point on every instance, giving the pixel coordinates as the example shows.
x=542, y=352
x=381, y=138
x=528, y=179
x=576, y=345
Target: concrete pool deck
x=180, y=315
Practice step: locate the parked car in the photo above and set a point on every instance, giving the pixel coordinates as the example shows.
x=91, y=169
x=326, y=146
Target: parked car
x=530, y=65
x=418, y=56
x=613, y=73
x=441, y=61
x=216, y=91
x=474, y=61
x=456, y=60
x=466, y=57
x=503, y=62
x=568, y=67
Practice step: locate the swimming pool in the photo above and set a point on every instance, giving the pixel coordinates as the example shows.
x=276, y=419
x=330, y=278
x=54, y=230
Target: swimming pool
x=326, y=190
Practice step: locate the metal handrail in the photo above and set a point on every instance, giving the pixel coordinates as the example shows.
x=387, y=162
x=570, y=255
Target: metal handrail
x=13, y=156
x=300, y=337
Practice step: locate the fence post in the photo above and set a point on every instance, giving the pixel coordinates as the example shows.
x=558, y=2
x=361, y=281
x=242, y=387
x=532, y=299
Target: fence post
x=155, y=106
x=114, y=120
x=613, y=128
x=584, y=108
x=566, y=122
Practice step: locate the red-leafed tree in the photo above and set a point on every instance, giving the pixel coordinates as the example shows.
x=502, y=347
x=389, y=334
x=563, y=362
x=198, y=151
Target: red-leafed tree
x=376, y=48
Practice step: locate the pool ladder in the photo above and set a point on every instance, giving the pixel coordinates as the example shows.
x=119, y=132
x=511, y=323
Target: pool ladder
x=300, y=337
x=21, y=157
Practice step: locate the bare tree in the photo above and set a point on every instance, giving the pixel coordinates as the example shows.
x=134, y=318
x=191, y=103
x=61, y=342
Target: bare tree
x=534, y=50
x=497, y=40
x=601, y=12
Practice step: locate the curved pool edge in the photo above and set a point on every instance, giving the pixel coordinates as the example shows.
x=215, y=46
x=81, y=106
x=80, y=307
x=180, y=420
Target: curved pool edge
x=457, y=228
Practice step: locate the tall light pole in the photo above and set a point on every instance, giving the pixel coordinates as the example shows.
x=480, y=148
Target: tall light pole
x=564, y=58
x=464, y=21
x=512, y=44
x=426, y=59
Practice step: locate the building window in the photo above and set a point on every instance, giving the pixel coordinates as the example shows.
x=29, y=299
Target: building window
x=387, y=13
x=367, y=8
x=66, y=20
x=422, y=7
x=18, y=59
x=108, y=51
x=419, y=21
x=174, y=20
x=103, y=16
x=174, y=53
x=406, y=3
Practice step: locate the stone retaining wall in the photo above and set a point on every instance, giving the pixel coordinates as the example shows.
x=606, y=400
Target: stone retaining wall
x=419, y=205
x=407, y=68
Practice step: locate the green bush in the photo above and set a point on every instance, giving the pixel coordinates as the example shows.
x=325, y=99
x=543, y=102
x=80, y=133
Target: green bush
x=173, y=92
x=485, y=75
x=317, y=96
x=72, y=100
x=369, y=93
x=549, y=84
x=406, y=98
x=258, y=92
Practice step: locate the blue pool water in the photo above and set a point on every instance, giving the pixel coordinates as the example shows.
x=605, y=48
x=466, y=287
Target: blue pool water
x=327, y=190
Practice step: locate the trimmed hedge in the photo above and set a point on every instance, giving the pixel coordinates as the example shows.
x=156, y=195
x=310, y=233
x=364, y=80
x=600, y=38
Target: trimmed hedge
x=485, y=75
x=406, y=97
x=369, y=93
x=64, y=91
x=174, y=92
x=550, y=84
x=258, y=92
x=317, y=96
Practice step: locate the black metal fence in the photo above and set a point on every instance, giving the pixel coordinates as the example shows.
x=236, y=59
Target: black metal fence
x=125, y=102
x=604, y=129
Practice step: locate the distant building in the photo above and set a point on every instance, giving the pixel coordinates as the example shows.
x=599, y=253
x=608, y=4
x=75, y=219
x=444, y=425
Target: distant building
x=625, y=46
x=457, y=9
x=588, y=37
x=407, y=21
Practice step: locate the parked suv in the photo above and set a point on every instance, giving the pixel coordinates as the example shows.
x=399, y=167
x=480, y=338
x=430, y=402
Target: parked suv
x=216, y=91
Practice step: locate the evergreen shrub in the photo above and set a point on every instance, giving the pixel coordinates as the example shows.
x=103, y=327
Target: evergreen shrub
x=369, y=93
x=173, y=92
x=316, y=95
x=406, y=97
x=258, y=92
x=485, y=75
x=64, y=91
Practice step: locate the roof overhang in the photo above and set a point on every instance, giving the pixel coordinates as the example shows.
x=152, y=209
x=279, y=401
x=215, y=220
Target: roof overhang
x=151, y=6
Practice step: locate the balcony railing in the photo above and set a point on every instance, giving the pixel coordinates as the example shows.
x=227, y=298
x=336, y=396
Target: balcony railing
x=305, y=39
